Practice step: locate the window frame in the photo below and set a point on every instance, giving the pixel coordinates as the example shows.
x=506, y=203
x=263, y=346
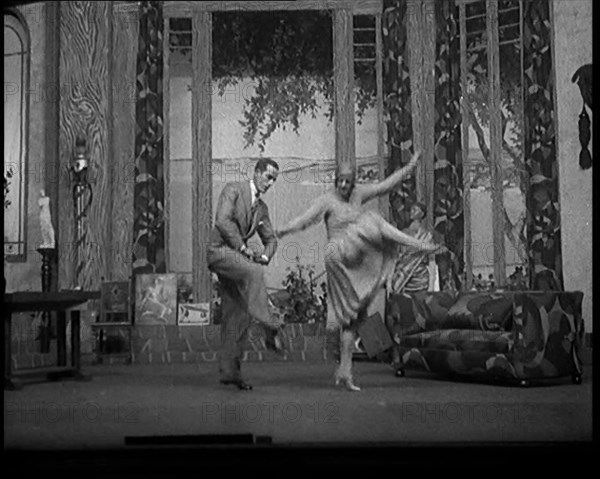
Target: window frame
x=495, y=131
x=19, y=25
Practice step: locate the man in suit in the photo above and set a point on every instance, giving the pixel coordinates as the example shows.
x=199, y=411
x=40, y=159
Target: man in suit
x=240, y=269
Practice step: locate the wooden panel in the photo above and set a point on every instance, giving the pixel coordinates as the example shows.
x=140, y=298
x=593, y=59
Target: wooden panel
x=468, y=246
x=496, y=142
x=85, y=30
x=428, y=112
x=51, y=159
x=186, y=9
x=201, y=152
x=343, y=84
x=122, y=158
x=415, y=52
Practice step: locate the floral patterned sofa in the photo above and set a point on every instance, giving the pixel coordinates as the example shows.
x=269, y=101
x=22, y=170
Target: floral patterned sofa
x=516, y=335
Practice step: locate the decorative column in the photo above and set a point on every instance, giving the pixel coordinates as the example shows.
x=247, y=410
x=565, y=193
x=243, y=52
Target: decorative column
x=48, y=251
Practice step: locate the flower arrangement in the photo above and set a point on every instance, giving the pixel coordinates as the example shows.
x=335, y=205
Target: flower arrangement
x=300, y=301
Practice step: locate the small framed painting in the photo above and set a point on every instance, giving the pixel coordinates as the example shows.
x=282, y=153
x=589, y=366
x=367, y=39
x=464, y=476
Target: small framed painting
x=156, y=299
x=193, y=314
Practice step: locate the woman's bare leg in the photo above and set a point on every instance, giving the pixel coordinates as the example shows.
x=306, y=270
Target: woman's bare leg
x=344, y=372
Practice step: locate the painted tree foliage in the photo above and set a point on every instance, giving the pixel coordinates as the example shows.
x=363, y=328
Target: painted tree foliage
x=283, y=63
x=513, y=173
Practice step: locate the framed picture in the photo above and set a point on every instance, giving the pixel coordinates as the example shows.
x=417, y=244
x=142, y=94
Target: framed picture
x=115, y=301
x=156, y=299
x=193, y=314
x=190, y=313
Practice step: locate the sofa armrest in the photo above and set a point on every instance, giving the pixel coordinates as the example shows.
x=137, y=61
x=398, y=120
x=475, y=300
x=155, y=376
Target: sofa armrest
x=548, y=331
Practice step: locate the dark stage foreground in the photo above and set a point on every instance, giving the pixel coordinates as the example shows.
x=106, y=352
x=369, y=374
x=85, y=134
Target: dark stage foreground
x=291, y=404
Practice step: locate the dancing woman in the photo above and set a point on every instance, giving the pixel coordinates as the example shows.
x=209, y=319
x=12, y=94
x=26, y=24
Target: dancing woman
x=364, y=249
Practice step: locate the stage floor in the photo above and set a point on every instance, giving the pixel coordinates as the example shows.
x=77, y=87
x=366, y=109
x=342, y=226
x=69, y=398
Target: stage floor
x=292, y=403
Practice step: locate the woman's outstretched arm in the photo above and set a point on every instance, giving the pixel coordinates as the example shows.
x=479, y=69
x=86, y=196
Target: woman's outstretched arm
x=371, y=191
x=309, y=218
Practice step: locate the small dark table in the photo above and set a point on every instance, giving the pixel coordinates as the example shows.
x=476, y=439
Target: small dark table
x=63, y=303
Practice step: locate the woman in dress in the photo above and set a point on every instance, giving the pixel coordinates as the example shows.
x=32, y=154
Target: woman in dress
x=413, y=269
x=412, y=266
x=360, y=253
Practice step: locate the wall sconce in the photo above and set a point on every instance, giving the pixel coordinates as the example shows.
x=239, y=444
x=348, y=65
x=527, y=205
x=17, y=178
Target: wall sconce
x=79, y=163
x=82, y=200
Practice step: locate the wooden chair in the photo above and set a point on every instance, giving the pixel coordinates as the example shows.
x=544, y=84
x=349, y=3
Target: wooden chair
x=116, y=313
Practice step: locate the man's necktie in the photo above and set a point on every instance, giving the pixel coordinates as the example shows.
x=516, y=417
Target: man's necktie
x=255, y=204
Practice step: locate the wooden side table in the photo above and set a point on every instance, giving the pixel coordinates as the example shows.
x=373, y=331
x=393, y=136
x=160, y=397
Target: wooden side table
x=63, y=303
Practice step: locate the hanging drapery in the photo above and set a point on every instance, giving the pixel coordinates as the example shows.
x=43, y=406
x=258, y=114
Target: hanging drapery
x=148, y=238
x=448, y=187
x=397, y=105
x=447, y=214
x=543, y=224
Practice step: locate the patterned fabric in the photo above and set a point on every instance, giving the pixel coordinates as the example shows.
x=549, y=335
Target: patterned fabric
x=462, y=340
x=541, y=341
x=483, y=311
x=471, y=363
x=543, y=226
x=448, y=195
x=411, y=273
x=417, y=312
x=149, y=241
x=397, y=106
x=551, y=328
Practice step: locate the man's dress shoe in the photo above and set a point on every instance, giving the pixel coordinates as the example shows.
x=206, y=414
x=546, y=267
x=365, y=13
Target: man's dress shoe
x=240, y=383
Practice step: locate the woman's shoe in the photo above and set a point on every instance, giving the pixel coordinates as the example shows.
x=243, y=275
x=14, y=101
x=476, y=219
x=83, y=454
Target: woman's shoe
x=346, y=381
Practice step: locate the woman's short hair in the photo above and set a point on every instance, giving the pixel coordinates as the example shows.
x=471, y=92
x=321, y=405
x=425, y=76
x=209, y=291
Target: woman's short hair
x=345, y=170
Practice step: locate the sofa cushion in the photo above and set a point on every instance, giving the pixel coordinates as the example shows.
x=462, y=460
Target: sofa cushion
x=482, y=311
x=472, y=363
x=497, y=342
x=416, y=312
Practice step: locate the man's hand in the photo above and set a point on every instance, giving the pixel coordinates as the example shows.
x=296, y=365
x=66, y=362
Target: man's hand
x=247, y=252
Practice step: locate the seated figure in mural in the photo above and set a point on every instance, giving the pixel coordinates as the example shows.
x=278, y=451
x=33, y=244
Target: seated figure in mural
x=414, y=270
x=361, y=250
